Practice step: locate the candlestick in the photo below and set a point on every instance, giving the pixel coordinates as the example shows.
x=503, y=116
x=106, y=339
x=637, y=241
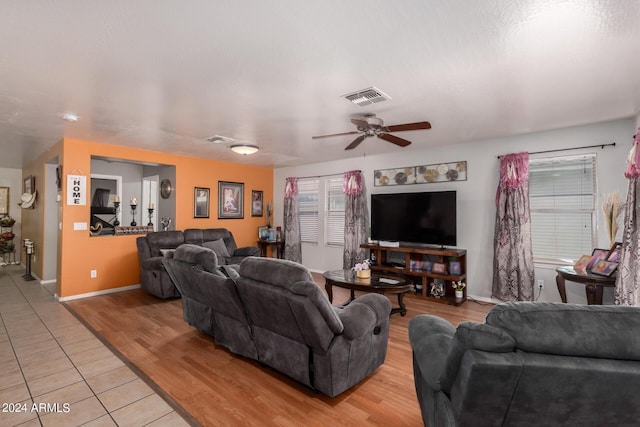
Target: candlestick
x=116, y=207
x=150, y=214
x=133, y=213
x=133, y=201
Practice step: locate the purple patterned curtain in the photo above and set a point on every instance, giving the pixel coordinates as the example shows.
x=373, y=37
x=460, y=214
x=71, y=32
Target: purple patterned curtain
x=292, y=244
x=628, y=282
x=513, y=272
x=355, y=219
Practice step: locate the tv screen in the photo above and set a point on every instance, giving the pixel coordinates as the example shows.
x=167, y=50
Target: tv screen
x=424, y=218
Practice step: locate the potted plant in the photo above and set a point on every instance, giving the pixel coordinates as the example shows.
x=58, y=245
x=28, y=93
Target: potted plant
x=459, y=288
x=363, y=270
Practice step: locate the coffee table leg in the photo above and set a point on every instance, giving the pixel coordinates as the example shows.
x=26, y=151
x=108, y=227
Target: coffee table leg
x=561, y=288
x=329, y=288
x=403, y=308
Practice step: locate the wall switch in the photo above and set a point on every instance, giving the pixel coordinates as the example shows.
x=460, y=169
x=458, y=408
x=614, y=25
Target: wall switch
x=79, y=226
x=540, y=284
x=94, y=274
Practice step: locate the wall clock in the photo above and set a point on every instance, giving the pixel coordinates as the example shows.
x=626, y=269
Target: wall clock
x=165, y=188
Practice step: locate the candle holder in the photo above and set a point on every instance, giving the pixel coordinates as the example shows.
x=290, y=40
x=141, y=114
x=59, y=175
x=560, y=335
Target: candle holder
x=133, y=215
x=150, y=210
x=116, y=208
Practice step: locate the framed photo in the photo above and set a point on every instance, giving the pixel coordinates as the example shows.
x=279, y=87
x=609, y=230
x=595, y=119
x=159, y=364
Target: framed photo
x=581, y=264
x=230, y=200
x=439, y=268
x=454, y=268
x=201, y=200
x=256, y=203
x=597, y=255
x=604, y=268
x=613, y=255
x=29, y=185
x=263, y=233
x=4, y=200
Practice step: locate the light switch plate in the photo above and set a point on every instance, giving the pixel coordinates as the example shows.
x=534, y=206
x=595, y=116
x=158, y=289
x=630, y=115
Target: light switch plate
x=79, y=226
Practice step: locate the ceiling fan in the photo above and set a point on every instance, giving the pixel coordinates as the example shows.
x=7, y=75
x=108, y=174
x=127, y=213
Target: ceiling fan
x=370, y=125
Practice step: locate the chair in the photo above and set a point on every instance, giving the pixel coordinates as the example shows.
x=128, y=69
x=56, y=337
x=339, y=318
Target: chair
x=530, y=363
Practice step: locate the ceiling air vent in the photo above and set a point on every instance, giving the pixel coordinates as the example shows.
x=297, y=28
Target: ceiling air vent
x=367, y=96
x=219, y=139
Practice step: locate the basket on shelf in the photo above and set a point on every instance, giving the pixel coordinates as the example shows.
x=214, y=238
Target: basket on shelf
x=7, y=221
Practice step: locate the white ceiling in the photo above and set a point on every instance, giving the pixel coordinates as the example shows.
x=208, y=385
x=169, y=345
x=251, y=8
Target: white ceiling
x=164, y=75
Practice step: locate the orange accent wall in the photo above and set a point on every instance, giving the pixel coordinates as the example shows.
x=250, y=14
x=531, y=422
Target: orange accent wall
x=115, y=257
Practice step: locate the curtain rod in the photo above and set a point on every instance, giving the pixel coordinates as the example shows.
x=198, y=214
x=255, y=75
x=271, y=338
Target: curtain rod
x=324, y=176
x=612, y=144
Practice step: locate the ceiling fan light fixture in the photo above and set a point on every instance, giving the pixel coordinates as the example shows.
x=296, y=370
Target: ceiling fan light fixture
x=245, y=149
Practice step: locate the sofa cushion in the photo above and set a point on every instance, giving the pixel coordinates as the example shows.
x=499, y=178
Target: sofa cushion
x=571, y=329
x=218, y=247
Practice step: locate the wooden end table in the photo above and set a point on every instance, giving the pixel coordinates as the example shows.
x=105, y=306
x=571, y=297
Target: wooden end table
x=378, y=283
x=593, y=283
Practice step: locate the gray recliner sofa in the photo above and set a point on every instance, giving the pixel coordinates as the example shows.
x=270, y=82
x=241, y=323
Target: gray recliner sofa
x=153, y=247
x=293, y=327
x=530, y=364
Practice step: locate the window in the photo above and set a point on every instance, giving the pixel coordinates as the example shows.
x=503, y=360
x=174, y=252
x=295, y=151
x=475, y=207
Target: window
x=562, y=195
x=308, y=191
x=334, y=213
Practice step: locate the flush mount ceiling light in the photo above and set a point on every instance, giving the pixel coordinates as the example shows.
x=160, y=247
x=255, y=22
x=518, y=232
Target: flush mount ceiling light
x=244, y=149
x=69, y=117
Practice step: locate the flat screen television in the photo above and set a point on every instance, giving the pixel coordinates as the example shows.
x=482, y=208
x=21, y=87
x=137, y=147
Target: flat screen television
x=427, y=218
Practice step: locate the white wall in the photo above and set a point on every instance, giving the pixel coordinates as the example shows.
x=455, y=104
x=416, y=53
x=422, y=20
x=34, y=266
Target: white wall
x=476, y=196
x=12, y=178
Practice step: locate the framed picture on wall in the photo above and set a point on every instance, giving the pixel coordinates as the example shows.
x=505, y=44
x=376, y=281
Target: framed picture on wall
x=256, y=203
x=29, y=185
x=4, y=200
x=230, y=200
x=201, y=198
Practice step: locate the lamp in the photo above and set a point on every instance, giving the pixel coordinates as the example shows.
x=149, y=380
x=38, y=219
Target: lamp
x=244, y=149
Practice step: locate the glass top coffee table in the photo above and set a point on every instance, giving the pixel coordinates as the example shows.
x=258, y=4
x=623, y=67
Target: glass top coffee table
x=378, y=283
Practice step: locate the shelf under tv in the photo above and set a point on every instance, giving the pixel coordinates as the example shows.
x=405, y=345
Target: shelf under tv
x=425, y=278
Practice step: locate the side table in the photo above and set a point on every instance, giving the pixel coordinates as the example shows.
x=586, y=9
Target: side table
x=594, y=283
x=278, y=247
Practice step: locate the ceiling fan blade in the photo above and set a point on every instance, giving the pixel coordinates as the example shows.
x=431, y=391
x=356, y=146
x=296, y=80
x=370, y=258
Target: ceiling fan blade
x=356, y=142
x=360, y=123
x=335, y=134
x=394, y=139
x=408, y=126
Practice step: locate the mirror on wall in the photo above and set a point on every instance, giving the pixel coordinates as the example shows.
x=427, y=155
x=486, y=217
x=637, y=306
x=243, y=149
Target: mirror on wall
x=117, y=184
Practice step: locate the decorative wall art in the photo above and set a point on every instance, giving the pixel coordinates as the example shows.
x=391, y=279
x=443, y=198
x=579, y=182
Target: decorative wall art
x=256, y=203
x=439, y=172
x=201, y=197
x=230, y=200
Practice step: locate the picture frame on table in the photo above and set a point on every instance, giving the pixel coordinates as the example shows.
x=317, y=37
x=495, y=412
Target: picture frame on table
x=263, y=233
x=604, y=268
x=614, y=252
x=230, y=200
x=201, y=202
x=597, y=255
x=256, y=203
x=581, y=264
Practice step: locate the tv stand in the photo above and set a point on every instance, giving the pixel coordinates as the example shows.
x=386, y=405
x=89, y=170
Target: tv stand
x=425, y=278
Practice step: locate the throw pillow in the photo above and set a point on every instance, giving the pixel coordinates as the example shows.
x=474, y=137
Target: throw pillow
x=218, y=247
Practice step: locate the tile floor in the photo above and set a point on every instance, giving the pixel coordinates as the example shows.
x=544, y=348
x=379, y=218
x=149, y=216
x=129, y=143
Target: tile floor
x=57, y=373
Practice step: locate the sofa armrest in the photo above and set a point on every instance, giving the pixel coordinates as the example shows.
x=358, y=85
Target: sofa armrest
x=143, y=248
x=247, y=251
x=364, y=314
x=430, y=338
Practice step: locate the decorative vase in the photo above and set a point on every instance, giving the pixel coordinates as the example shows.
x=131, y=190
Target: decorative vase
x=363, y=274
x=459, y=294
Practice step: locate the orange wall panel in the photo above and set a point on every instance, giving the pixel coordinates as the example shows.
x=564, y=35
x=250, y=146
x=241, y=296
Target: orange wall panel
x=115, y=257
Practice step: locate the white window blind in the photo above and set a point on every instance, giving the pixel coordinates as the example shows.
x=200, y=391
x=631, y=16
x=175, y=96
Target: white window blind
x=334, y=213
x=308, y=189
x=562, y=194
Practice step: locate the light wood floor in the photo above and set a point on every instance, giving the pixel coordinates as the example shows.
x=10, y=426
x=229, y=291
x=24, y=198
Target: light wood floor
x=218, y=388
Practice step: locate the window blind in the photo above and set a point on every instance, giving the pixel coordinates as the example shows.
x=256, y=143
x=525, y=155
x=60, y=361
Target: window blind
x=308, y=190
x=562, y=195
x=334, y=217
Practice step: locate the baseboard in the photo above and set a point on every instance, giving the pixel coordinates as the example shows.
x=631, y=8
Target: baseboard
x=46, y=282
x=93, y=294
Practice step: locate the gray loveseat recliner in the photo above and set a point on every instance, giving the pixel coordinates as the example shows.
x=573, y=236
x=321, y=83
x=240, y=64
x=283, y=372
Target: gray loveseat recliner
x=273, y=312
x=530, y=364
x=154, y=246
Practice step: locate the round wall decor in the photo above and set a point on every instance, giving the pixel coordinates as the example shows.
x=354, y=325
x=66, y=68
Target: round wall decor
x=165, y=188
